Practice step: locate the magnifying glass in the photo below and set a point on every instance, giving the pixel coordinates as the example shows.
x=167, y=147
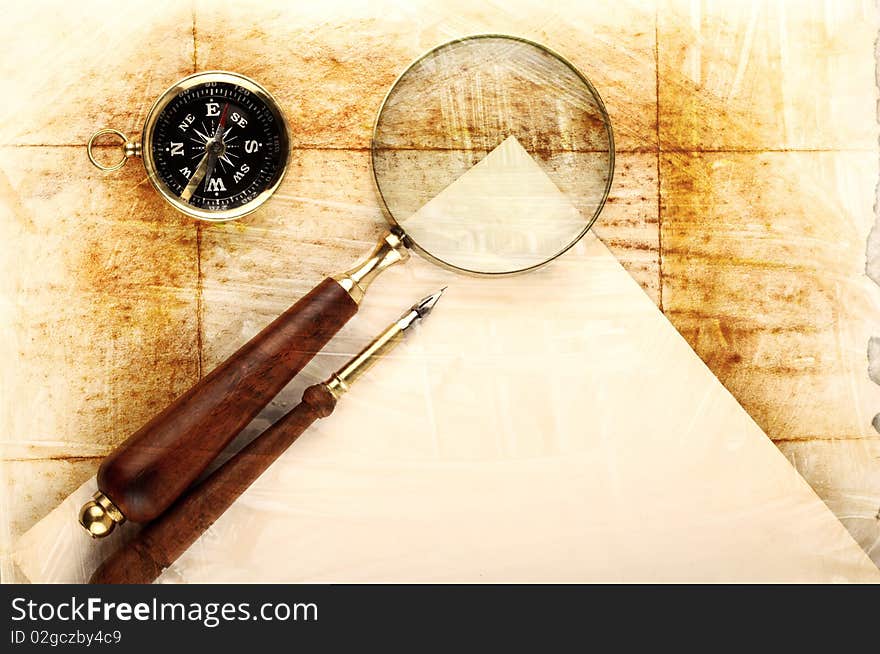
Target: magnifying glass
x=446, y=112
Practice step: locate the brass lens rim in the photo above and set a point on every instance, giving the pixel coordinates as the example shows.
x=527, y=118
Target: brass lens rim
x=389, y=215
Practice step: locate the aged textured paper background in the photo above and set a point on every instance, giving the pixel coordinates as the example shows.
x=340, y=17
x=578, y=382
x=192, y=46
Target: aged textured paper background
x=742, y=202
x=580, y=439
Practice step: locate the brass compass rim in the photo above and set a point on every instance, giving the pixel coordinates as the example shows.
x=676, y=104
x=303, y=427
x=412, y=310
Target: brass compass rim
x=172, y=92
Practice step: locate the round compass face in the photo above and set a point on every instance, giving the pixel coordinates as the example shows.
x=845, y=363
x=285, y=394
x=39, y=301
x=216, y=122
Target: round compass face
x=215, y=145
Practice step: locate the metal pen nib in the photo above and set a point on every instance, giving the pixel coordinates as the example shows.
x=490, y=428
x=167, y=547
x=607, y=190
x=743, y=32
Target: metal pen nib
x=420, y=309
x=423, y=307
x=340, y=381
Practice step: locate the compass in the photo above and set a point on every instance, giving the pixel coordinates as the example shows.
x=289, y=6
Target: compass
x=215, y=145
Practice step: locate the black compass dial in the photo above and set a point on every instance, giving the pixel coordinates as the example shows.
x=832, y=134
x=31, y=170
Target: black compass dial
x=218, y=146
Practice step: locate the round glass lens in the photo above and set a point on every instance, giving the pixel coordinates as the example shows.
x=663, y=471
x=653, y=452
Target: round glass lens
x=530, y=130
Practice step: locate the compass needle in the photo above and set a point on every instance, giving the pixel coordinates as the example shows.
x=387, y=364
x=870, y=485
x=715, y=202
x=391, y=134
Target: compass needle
x=196, y=178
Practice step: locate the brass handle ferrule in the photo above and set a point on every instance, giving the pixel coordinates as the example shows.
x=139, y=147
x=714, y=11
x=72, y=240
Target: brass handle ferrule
x=390, y=250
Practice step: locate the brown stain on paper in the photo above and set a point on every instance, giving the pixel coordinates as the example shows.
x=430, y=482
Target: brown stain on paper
x=110, y=279
x=761, y=251
x=765, y=191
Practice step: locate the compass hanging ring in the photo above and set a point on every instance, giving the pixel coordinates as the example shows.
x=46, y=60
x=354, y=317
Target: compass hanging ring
x=129, y=149
x=215, y=146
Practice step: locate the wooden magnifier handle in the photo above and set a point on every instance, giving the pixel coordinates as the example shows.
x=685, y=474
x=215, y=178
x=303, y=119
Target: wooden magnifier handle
x=160, y=543
x=146, y=473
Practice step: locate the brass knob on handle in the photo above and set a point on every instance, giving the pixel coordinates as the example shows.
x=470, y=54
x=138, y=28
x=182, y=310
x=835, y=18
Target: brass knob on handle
x=100, y=516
